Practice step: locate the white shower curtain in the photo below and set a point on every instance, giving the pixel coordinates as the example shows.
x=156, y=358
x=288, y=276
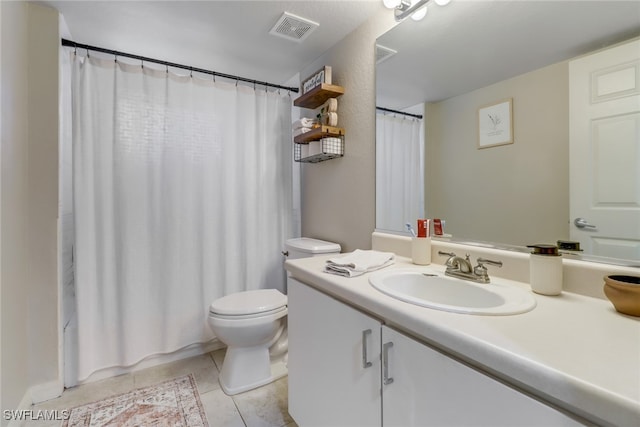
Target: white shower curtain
x=182, y=194
x=399, y=171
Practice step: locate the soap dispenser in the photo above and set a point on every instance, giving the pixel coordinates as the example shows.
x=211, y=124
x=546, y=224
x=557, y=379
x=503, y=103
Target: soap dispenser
x=545, y=269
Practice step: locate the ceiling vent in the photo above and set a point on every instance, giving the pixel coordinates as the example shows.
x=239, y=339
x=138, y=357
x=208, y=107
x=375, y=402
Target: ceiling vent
x=383, y=53
x=292, y=27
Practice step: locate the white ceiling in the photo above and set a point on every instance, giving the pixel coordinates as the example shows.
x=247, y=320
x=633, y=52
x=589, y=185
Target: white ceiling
x=457, y=48
x=225, y=36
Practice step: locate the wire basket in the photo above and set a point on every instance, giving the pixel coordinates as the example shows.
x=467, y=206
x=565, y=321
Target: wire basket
x=318, y=151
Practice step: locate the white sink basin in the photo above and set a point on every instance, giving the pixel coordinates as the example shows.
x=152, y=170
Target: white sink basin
x=435, y=290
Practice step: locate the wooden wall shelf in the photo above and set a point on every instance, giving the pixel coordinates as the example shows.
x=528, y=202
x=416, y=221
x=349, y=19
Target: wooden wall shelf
x=330, y=138
x=318, y=96
x=318, y=133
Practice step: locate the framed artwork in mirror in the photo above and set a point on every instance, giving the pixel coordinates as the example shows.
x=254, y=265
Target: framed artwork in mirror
x=495, y=124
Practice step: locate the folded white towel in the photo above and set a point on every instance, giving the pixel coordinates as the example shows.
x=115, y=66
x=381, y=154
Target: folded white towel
x=359, y=262
x=303, y=123
x=300, y=131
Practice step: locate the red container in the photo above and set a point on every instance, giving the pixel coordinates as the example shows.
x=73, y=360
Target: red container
x=437, y=227
x=424, y=228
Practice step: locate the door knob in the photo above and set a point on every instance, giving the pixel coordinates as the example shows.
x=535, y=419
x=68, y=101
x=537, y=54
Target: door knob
x=582, y=223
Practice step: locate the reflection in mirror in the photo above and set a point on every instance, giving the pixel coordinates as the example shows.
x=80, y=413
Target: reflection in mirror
x=399, y=167
x=472, y=54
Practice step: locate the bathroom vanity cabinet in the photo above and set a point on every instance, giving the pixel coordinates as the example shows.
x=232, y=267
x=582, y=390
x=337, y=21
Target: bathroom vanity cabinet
x=329, y=385
x=349, y=368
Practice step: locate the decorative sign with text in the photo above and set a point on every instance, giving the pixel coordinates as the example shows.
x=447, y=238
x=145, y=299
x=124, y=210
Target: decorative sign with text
x=321, y=76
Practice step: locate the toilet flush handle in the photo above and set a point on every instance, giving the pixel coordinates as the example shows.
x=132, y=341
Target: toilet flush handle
x=285, y=253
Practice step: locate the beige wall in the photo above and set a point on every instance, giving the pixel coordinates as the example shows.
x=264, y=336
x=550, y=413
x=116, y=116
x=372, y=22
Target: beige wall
x=338, y=196
x=14, y=205
x=44, y=45
x=29, y=202
x=518, y=193
x=1, y=138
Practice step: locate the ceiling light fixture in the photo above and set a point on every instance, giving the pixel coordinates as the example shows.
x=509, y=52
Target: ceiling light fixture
x=419, y=14
x=391, y=4
x=416, y=9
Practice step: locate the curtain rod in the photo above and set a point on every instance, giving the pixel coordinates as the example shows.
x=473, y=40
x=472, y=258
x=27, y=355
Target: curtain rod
x=388, y=110
x=73, y=44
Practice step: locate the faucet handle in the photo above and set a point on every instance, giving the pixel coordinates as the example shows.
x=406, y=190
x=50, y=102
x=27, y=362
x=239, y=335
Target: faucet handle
x=481, y=271
x=483, y=261
x=451, y=255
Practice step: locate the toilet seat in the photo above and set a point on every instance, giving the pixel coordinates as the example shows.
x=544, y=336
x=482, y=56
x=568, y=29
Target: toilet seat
x=249, y=304
x=237, y=317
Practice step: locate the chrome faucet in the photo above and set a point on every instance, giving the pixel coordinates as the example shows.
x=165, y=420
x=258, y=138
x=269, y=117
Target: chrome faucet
x=461, y=267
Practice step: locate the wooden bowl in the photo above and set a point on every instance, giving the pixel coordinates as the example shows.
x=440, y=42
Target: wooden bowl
x=624, y=293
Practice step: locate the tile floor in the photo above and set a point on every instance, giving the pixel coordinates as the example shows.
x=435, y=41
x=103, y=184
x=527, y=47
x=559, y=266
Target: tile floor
x=263, y=407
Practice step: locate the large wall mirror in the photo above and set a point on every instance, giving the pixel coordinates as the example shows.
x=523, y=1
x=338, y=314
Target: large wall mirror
x=511, y=61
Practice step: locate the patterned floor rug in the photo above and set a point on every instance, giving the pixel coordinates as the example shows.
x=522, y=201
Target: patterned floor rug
x=171, y=403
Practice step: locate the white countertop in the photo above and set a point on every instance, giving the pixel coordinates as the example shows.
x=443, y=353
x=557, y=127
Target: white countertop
x=571, y=350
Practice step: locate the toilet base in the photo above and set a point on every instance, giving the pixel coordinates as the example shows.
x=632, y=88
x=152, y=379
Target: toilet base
x=244, y=369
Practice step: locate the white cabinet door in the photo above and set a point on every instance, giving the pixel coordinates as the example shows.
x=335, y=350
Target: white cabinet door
x=334, y=361
x=431, y=389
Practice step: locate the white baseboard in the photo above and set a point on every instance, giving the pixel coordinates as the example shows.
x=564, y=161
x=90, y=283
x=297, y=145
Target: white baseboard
x=34, y=395
x=24, y=405
x=46, y=391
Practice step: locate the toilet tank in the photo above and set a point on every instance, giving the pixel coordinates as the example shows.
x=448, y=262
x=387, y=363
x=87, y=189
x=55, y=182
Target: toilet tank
x=305, y=247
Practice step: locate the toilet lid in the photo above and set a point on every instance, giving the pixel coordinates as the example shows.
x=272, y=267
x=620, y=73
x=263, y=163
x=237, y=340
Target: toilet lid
x=249, y=302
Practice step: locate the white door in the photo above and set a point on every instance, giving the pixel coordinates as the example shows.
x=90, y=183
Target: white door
x=427, y=388
x=334, y=361
x=604, y=100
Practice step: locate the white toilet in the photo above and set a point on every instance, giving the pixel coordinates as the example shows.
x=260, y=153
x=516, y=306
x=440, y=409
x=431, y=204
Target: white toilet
x=253, y=326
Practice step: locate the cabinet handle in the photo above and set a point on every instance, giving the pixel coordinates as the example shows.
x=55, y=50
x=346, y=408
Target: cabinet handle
x=365, y=362
x=386, y=379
